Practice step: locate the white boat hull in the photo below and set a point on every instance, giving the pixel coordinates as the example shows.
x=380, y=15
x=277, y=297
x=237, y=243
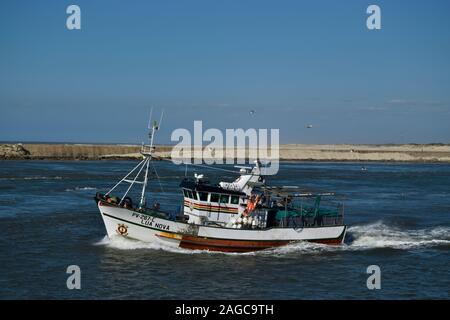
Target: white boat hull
x=146, y=228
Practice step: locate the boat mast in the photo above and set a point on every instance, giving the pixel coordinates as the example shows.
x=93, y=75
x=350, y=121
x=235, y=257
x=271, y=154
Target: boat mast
x=147, y=151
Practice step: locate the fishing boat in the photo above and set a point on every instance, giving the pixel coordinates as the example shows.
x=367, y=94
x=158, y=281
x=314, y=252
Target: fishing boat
x=242, y=215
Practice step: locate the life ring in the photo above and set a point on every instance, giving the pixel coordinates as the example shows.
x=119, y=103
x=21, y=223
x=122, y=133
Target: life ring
x=122, y=229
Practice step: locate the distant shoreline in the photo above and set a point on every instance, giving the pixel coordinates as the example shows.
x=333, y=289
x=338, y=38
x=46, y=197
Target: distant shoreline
x=288, y=152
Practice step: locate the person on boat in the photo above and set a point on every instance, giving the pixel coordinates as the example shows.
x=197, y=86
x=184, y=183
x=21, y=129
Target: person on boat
x=283, y=202
x=252, y=202
x=127, y=203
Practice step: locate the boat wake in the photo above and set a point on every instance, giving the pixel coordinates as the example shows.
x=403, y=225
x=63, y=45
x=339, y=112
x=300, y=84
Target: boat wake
x=379, y=235
x=376, y=236
x=359, y=238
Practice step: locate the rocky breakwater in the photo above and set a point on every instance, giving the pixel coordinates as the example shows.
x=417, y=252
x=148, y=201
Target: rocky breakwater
x=13, y=151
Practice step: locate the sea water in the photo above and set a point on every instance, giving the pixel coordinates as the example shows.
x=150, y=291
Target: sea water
x=398, y=217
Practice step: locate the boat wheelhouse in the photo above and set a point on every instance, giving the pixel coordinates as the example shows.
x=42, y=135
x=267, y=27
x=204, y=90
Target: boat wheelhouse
x=203, y=203
x=219, y=204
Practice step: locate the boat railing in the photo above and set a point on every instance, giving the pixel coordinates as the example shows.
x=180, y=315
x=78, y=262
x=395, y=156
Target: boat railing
x=311, y=216
x=311, y=221
x=147, y=150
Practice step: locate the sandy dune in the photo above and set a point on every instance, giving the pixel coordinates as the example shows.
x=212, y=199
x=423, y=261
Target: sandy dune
x=340, y=152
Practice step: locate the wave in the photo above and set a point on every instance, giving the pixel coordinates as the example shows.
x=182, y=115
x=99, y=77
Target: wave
x=32, y=178
x=80, y=189
x=121, y=243
x=359, y=238
x=376, y=235
x=379, y=235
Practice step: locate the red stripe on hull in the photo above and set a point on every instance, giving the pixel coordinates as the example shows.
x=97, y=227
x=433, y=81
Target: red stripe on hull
x=336, y=241
x=199, y=243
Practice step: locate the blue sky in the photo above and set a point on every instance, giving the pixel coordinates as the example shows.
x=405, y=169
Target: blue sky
x=293, y=62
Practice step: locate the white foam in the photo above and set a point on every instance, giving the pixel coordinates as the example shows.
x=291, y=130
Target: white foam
x=373, y=236
x=122, y=243
x=42, y=178
x=80, y=189
x=32, y=178
x=364, y=237
x=379, y=235
x=299, y=247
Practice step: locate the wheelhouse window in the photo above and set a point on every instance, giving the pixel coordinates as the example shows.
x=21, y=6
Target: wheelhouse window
x=190, y=194
x=194, y=193
x=234, y=199
x=186, y=194
x=224, y=198
x=214, y=197
x=203, y=196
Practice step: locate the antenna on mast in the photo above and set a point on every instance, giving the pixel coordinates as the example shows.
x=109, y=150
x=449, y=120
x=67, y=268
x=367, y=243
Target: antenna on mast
x=161, y=117
x=152, y=126
x=147, y=153
x=150, y=119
